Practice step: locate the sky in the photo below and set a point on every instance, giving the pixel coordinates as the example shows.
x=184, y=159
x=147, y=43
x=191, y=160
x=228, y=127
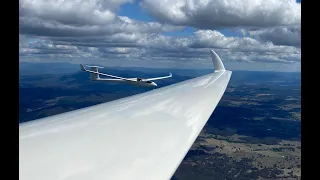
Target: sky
x=263, y=35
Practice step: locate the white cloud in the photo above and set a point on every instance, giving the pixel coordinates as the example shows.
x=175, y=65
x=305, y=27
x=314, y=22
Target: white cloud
x=214, y=39
x=213, y=14
x=156, y=47
x=76, y=12
x=90, y=31
x=289, y=36
x=39, y=27
x=80, y=18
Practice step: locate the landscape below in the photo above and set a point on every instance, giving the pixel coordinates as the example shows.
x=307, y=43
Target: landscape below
x=255, y=131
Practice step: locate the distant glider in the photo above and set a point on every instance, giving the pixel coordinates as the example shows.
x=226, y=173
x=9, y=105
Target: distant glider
x=94, y=75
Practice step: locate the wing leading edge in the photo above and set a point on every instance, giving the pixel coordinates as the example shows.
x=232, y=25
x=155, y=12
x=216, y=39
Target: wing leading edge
x=145, y=136
x=157, y=78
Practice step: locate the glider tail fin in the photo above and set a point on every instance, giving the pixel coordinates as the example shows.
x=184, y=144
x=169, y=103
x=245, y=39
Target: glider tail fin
x=217, y=62
x=93, y=76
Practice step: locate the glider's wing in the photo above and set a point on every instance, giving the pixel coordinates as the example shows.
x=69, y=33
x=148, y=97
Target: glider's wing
x=95, y=74
x=141, y=137
x=157, y=78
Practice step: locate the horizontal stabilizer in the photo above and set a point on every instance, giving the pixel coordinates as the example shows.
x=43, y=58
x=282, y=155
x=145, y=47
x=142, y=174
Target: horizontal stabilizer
x=90, y=66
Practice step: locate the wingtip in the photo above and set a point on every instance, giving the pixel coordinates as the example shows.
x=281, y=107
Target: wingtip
x=82, y=67
x=217, y=62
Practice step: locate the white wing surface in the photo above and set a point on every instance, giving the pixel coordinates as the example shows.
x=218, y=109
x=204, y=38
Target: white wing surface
x=157, y=78
x=142, y=137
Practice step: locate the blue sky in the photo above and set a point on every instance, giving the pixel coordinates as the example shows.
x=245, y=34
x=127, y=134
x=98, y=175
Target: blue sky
x=134, y=11
x=161, y=33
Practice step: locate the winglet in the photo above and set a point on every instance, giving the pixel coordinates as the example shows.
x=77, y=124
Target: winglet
x=217, y=63
x=82, y=67
x=170, y=75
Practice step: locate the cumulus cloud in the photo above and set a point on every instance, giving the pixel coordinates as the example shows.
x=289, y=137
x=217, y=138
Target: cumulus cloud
x=80, y=18
x=214, y=39
x=213, y=14
x=39, y=27
x=82, y=12
x=158, y=47
x=91, y=32
x=289, y=36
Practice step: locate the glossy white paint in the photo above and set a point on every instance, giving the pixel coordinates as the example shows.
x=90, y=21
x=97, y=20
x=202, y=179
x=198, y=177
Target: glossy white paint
x=142, y=137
